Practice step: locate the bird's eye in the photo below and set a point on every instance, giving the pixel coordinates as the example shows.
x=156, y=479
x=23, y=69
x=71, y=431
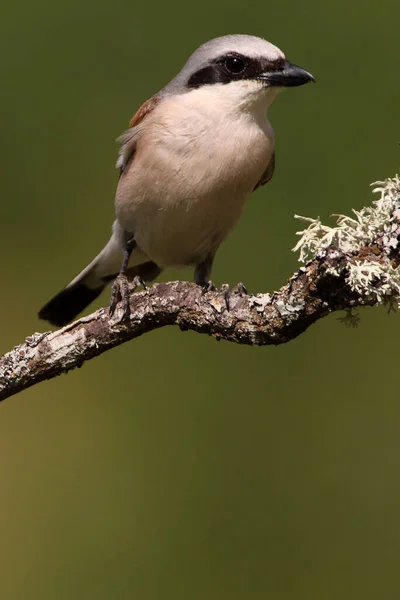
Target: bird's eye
x=235, y=65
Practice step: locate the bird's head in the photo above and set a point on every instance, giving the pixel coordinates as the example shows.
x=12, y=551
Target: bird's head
x=244, y=67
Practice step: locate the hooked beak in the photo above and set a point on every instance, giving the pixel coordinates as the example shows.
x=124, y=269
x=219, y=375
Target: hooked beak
x=287, y=76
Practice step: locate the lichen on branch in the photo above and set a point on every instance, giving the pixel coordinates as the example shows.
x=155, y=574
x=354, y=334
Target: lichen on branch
x=378, y=224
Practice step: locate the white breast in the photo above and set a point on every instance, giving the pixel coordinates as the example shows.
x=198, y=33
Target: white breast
x=197, y=162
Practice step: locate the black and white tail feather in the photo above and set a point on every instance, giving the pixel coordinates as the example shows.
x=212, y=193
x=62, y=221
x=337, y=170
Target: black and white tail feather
x=89, y=284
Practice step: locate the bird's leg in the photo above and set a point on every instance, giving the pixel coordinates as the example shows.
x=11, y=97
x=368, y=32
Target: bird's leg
x=120, y=289
x=202, y=274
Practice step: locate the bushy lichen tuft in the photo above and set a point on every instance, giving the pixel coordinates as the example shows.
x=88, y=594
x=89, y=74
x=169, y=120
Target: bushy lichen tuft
x=379, y=281
x=374, y=280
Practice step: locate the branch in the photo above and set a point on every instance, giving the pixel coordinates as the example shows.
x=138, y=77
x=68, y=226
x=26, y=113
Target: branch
x=353, y=264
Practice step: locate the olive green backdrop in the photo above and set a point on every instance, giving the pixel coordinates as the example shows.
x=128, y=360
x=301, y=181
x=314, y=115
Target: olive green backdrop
x=177, y=467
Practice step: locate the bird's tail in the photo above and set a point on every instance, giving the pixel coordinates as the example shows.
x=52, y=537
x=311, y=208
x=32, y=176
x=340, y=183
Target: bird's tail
x=89, y=284
x=69, y=302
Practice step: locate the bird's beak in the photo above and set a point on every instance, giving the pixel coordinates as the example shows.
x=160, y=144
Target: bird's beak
x=287, y=76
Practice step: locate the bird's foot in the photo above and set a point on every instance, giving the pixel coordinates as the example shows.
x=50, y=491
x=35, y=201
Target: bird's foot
x=239, y=290
x=208, y=287
x=121, y=292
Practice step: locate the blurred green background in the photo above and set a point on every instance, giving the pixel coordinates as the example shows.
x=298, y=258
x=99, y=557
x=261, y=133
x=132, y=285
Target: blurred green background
x=176, y=467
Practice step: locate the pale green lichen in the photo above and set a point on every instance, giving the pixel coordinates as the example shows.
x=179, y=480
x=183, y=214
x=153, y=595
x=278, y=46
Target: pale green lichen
x=290, y=308
x=371, y=279
x=260, y=301
x=352, y=233
x=374, y=280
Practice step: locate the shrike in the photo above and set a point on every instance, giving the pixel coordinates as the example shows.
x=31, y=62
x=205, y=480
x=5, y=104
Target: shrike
x=188, y=163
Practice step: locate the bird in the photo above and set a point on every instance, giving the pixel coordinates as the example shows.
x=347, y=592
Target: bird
x=189, y=161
